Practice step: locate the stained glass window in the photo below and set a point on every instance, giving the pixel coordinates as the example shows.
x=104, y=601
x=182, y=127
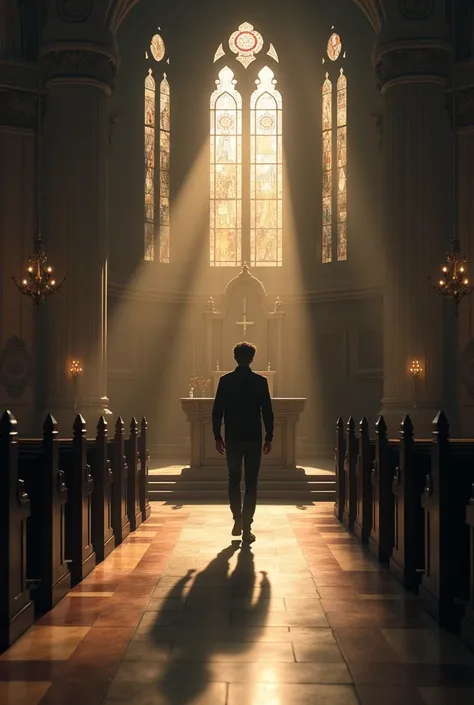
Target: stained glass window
x=164, y=170
x=272, y=53
x=219, y=53
x=342, y=167
x=150, y=125
x=327, y=171
x=226, y=172
x=157, y=47
x=334, y=47
x=266, y=175
x=245, y=42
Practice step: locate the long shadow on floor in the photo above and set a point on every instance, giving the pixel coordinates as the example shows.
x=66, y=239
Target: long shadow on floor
x=222, y=612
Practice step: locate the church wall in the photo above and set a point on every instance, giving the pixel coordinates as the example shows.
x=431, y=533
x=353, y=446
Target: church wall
x=17, y=314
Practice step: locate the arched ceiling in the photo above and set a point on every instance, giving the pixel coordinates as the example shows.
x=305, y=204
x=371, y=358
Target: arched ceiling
x=117, y=10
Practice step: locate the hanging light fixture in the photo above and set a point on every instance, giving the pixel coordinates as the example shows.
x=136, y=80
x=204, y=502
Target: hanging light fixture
x=39, y=284
x=453, y=283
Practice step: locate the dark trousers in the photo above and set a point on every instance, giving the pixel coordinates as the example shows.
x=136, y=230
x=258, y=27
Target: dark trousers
x=251, y=453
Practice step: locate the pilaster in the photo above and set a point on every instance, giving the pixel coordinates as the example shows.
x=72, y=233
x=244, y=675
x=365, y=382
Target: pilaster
x=19, y=84
x=412, y=77
x=79, y=80
x=465, y=122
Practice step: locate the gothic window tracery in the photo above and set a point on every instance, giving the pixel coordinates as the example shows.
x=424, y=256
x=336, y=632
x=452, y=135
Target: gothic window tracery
x=246, y=225
x=157, y=143
x=334, y=155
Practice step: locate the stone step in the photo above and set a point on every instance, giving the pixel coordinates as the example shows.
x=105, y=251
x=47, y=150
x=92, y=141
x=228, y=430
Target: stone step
x=221, y=476
x=291, y=497
x=222, y=484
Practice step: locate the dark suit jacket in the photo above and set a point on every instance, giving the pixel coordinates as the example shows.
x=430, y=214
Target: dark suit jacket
x=243, y=398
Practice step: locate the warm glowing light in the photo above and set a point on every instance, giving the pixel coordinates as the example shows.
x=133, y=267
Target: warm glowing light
x=226, y=172
x=326, y=254
x=245, y=42
x=272, y=53
x=266, y=173
x=342, y=167
x=219, y=53
x=150, y=123
x=334, y=47
x=334, y=180
x=453, y=284
x=416, y=368
x=76, y=368
x=157, y=47
x=164, y=171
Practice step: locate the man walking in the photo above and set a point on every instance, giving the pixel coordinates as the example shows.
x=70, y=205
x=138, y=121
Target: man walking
x=242, y=399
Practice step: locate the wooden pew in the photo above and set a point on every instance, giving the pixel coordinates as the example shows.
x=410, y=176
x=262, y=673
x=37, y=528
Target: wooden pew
x=408, y=559
x=38, y=466
x=144, y=457
x=116, y=455
x=364, y=465
x=80, y=553
x=386, y=460
x=339, y=463
x=350, y=480
x=103, y=538
x=467, y=626
x=445, y=582
x=16, y=607
x=134, y=511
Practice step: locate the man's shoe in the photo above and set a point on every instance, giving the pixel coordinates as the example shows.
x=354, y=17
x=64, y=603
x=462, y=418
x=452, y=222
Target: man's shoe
x=237, y=529
x=248, y=537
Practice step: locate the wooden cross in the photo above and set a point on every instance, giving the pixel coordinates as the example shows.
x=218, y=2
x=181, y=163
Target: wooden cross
x=244, y=321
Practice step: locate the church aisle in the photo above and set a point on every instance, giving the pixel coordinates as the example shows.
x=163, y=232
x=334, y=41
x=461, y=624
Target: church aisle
x=178, y=615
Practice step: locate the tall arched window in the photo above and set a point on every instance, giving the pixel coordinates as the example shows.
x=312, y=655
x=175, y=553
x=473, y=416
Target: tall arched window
x=226, y=172
x=266, y=175
x=334, y=157
x=150, y=136
x=246, y=147
x=157, y=159
x=327, y=170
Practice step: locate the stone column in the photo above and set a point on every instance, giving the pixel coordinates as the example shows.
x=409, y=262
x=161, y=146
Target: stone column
x=465, y=203
x=417, y=225
x=18, y=226
x=78, y=83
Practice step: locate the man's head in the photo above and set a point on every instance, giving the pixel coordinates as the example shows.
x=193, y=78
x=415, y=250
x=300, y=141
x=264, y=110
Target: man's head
x=244, y=353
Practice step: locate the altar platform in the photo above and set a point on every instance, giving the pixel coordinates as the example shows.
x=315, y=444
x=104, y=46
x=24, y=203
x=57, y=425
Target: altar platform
x=307, y=483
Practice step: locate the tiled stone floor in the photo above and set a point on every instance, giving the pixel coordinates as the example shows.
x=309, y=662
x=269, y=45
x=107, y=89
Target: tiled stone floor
x=178, y=615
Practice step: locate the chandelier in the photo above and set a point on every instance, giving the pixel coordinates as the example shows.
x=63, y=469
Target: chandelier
x=39, y=283
x=454, y=284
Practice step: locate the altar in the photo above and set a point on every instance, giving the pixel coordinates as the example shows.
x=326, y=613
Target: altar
x=203, y=447
x=268, y=374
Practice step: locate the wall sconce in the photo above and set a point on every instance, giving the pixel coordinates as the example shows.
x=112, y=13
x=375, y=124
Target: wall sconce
x=75, y=371
x=415, y=371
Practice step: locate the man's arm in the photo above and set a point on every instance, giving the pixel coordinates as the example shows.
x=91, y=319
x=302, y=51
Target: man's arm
x=267, y=413
x=218, y=412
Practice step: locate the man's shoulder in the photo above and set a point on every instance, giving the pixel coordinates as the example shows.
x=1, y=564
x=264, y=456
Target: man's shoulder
x=260, y=379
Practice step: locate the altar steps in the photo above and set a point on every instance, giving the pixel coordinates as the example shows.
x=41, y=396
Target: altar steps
x=294, y=486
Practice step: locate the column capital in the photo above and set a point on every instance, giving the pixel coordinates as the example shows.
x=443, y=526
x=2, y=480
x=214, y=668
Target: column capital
x=88, y=64
x=19, y=85
x=465, y=94
x=407, y=61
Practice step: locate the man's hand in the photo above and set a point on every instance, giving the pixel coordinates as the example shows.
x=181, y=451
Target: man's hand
x=267, y=446
x=220, y=446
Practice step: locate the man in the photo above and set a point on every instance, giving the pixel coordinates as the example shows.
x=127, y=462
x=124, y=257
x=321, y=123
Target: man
x=243, y=398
